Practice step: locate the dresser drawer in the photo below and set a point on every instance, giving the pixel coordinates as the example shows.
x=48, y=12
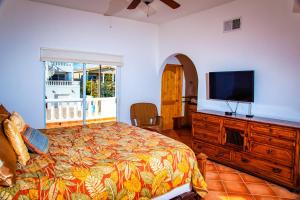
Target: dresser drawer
x=264, y=168
x=207, y=118
x=284, y=133
x=273, y=130
x=274, y=154
x=211, y=126
x=265, y=139
x=206, y=135
x=211, y=151
x=236, y=124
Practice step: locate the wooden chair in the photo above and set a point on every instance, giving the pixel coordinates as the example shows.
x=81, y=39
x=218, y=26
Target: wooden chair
x=145, y=115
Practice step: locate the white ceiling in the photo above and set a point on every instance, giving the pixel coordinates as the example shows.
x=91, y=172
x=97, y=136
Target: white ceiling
x=159, y=12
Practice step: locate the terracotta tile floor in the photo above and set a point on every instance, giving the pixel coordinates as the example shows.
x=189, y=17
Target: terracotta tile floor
x=225, y=183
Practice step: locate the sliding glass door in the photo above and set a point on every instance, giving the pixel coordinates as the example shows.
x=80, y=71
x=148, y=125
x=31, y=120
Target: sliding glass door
x=100, y=95
x=77, y=93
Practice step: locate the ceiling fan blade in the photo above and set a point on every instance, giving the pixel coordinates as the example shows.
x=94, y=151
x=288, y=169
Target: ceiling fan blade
x=296, y=8
x=171, y=3
x=134, y=4
x=115, y=6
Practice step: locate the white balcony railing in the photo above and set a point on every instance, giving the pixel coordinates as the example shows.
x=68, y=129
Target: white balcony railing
x=62, y=110
x=62, y=83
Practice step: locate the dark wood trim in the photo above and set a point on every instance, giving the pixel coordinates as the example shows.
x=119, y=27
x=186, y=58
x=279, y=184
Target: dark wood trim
x=187, y=196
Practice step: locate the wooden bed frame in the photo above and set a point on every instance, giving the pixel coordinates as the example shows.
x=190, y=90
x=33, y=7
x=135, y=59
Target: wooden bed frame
x=202, y=159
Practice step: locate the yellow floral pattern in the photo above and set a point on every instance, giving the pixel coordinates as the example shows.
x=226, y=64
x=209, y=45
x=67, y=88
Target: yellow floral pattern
x=106, y=161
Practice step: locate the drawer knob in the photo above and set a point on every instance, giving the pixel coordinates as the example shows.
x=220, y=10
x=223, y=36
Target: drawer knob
x=220, y=155
x=276, y=170
x=269, y=151
x=244, y=160
x=270, y=139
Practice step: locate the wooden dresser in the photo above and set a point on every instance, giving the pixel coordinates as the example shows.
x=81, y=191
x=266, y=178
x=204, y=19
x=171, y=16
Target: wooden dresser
x=264, y=147
x=190, y=109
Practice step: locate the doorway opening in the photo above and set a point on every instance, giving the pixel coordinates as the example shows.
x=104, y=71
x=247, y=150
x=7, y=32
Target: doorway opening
x=179, y=92
x=77, y=93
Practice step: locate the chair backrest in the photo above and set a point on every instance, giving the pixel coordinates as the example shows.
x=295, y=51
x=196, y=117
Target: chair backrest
x=142, y=113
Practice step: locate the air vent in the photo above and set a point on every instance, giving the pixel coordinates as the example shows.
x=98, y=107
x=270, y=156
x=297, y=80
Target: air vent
x=231, y=25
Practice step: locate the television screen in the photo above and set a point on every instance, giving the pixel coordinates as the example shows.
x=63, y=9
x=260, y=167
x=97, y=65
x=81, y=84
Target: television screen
x=232, y=86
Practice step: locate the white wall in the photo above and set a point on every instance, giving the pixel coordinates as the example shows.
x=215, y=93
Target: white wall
x=268, y=43
x=26, y=26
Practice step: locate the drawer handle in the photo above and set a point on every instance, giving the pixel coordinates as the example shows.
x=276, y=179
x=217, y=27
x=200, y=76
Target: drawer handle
x=244, y=160
x=269, y=151
x=220, y=155
x=276, y=170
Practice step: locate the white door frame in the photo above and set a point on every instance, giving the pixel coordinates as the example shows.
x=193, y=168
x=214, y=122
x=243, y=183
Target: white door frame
x=118, y=91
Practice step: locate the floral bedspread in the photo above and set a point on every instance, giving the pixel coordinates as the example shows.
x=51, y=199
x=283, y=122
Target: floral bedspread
x=106, y=161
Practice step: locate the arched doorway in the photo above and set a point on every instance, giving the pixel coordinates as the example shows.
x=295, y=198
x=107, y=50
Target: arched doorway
x=179, y=91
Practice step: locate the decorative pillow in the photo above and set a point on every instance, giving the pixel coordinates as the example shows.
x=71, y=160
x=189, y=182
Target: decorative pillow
x=18, y=120
x=2, y=118
x=36, y=141
x=4, y=114
x=3, y=110
x=8, y=161
x=16, y=141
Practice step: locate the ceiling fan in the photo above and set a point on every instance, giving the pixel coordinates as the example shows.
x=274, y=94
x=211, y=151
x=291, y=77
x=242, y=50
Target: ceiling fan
x=170, y=3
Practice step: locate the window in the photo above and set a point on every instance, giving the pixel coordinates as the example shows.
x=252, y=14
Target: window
x=71, y=100
x=76, y=91
x=58, y=77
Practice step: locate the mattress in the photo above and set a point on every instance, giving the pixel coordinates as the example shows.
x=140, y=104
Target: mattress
x=108, y=161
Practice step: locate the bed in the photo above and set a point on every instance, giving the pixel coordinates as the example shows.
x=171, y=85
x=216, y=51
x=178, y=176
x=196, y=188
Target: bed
x=108, y=161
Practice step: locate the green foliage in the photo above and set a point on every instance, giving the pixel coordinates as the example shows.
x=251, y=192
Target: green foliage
x=107, y=87
x=92, y=88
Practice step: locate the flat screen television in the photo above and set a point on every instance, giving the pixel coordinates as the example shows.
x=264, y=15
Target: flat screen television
x=232, y=86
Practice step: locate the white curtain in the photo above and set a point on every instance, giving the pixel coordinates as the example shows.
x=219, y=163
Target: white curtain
x=61, y=55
